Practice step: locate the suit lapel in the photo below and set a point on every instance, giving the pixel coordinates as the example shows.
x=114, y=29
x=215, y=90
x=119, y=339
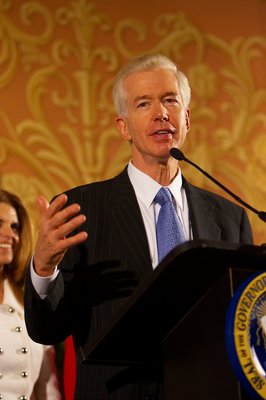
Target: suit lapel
x=202, y=214
x=128, y=221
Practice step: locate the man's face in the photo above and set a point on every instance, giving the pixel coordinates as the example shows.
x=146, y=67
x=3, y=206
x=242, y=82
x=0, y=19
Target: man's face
x=156, y=118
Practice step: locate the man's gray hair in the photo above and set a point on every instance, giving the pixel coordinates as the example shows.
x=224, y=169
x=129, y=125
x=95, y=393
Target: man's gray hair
x=148, y=62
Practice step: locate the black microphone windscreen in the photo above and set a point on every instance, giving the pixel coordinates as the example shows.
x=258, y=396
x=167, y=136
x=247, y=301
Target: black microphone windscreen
x=177, y=154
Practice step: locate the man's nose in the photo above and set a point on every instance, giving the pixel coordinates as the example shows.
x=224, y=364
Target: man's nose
x=163, y=117
x=161, y=113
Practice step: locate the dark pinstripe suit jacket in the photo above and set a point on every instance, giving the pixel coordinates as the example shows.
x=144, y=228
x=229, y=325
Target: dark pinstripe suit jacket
x=78, y=302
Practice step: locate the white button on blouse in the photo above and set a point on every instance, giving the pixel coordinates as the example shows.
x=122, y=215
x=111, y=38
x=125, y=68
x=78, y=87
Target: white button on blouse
x=20, y=358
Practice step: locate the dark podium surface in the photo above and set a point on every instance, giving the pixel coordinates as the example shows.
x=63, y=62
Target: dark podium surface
x=175, y=320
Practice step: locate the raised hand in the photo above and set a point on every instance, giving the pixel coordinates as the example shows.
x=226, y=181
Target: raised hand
x=55, y=224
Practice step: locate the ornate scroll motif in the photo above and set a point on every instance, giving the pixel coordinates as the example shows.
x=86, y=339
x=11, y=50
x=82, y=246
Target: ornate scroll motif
x=57, y=128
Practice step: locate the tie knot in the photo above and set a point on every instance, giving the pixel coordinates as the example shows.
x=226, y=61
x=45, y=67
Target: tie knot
x=163, y=196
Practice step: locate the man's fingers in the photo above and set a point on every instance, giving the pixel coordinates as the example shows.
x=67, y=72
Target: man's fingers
x=65, y=228
x=71, y=241
x=57, y=204
x=51, y=208
x=56, y=215
x=43, y=203
x=57, y=226
x=68, y=219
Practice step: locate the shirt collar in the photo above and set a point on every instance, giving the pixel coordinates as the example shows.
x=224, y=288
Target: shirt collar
x=146, y=188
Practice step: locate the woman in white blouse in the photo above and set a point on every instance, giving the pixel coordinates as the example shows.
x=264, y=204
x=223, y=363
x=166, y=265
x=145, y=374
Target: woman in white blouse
x=27, y=369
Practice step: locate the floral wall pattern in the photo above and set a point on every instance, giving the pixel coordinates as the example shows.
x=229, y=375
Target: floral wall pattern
x=57, y=63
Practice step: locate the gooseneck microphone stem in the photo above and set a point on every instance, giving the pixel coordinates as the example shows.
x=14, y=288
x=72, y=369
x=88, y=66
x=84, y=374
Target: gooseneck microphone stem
x=178, y=155
x=221, y=185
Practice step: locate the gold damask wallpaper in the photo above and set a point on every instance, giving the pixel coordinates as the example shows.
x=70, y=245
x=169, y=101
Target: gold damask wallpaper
x=57, y=62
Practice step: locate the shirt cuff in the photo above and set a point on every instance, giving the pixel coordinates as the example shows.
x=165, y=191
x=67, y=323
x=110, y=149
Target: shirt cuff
x=42, y=283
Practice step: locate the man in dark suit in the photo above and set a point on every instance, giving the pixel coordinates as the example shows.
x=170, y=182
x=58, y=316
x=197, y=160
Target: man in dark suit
x=98, y=241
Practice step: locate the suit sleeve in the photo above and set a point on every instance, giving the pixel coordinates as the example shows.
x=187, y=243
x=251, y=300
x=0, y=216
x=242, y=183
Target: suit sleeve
x=48, y=320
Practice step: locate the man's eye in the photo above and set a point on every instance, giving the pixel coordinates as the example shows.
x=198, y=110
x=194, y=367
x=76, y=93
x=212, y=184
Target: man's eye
x=142, y=104
x=170, y=100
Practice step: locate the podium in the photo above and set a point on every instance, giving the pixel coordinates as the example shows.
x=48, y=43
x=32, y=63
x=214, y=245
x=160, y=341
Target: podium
x=173, y=322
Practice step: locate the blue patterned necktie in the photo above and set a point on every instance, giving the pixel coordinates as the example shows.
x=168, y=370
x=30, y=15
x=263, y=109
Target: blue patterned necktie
x=169, y=230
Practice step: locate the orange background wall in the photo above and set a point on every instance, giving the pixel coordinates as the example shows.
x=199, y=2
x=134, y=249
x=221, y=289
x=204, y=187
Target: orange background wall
x=57, y=62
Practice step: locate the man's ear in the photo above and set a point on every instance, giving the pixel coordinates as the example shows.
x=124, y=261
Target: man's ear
x=187, y=119
x=122, y=127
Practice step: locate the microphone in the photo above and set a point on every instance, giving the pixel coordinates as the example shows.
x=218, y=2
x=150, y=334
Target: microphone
x=178, y=155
